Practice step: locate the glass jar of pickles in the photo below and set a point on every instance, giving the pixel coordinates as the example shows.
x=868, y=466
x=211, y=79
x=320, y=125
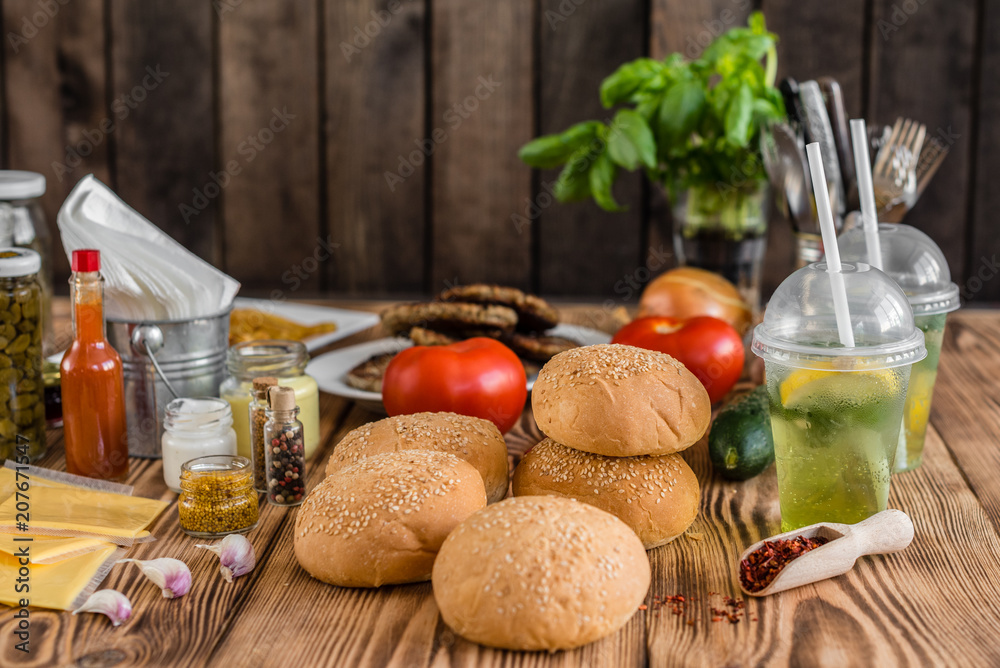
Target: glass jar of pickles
x=22, y=403
x=217, y=496
x=284, y=360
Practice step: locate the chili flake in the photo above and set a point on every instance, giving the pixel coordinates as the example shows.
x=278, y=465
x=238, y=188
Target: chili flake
x=762, y=565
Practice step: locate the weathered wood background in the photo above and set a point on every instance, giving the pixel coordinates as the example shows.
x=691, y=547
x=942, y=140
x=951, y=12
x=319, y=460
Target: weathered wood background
x=367, y=147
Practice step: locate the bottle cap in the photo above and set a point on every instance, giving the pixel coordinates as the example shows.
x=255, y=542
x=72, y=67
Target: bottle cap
x=281, y=398
x=86, y=260
x=19, y=262
x=264, y=382
x=16, y=184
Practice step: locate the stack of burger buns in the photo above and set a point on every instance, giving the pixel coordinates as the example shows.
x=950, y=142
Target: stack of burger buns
x=616, y=418
x=394, y=490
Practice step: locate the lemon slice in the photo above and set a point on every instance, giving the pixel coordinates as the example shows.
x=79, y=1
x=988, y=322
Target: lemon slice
x=807, y=386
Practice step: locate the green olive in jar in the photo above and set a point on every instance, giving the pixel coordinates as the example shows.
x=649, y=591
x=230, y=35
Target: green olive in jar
x=22, y=414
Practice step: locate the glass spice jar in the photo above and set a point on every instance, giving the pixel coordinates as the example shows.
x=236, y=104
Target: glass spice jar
x=286, y=361
x=22, y=402
x=258, y=407
x=217, y=496
x=194, y=427
x=284, y=449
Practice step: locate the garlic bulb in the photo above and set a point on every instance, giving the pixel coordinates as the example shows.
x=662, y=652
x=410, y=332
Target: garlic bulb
x=235, y=555
x=108, y=602
x=172, y=576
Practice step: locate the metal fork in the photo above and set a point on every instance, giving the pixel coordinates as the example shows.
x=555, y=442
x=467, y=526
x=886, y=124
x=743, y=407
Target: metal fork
x=894, y=175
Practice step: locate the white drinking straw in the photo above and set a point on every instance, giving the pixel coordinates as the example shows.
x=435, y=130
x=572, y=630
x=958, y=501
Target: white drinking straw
x=826, y=226
x=863, y=166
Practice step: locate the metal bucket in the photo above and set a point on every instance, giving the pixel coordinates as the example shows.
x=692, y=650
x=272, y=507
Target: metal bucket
x=162, y=360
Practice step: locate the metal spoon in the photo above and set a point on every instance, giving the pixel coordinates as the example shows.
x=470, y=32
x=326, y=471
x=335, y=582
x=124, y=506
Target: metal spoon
x=885, y=532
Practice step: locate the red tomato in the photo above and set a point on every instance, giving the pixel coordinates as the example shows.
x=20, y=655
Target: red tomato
x=479, y=377
x=710, y=348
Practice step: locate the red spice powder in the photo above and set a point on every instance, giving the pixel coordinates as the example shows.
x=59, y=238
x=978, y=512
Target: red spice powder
x=762, y=565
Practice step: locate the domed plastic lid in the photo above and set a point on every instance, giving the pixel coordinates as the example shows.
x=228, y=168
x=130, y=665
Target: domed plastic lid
x=800, y=326
x=913, y=260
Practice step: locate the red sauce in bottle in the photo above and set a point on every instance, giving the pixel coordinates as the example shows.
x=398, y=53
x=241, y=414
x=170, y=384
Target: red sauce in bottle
x=93, y=393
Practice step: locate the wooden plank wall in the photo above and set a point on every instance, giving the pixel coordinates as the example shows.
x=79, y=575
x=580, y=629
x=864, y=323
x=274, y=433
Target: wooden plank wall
x=367, y=147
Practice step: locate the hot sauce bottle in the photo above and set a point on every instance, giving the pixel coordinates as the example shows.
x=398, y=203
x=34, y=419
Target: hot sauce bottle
x=93, y=393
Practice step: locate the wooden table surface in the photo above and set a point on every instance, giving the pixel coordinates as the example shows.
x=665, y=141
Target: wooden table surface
x=936, y=603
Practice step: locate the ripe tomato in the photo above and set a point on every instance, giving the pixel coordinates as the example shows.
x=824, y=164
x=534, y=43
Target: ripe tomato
x=479, y=377
x=710, y=348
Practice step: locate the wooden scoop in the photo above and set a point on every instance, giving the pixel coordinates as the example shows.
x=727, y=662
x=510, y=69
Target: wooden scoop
x=885, y=532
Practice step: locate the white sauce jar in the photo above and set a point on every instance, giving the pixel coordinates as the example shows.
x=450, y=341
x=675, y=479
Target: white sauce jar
x=195, y=427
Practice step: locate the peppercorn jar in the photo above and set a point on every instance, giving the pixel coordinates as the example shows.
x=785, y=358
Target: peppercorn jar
x=258, y=406
x=22, y=403
x=284, y=449
x=284, y=360
x=217, y=496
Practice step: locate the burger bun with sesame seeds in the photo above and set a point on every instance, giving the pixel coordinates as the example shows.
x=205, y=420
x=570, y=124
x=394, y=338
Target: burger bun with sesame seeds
x=656, y=496
x=472, y=439
x=540, y=573
x=382, y=520
x=620, y=401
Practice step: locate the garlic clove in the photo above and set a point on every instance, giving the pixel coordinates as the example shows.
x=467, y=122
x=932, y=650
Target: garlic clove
x=172, y=576
x=108, y=602
x=235, y=555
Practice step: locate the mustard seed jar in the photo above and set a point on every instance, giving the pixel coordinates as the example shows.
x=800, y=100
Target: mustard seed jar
x=217, y=496
x=22, y=391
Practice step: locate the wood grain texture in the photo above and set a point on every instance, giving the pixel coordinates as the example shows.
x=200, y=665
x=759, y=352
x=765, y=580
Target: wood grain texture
x=482, y=102
x=376, y=165
x=162, y=63
x=55, y=88
x=922, y=63
x=932, y=604
x=984, y=244
x=269, y=97
x=580, y=46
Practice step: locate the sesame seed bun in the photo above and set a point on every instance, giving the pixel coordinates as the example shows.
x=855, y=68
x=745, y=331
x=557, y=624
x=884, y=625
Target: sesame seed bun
x=476, y=441
x=620, y=401
x=540, y=573
x=657, y=497
x=382, y=520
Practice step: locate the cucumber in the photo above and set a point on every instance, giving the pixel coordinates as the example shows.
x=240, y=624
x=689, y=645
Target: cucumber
x=740, y=444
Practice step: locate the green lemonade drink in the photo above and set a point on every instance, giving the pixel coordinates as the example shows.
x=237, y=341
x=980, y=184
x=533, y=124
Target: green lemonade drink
x=917, y=265
x=836, y=399
x=917, y=410
x=835, y=434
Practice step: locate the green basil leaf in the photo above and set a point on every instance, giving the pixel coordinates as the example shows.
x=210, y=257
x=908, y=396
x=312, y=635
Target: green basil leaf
x=631, y=142
x=573, y=184
x=739, y=116
x=602, y=177
x=627, y=79
x=553, y=150
x=680, y=112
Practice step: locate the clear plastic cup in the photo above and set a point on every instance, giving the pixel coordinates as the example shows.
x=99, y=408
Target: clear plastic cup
x=916, y=263
x=836, y=411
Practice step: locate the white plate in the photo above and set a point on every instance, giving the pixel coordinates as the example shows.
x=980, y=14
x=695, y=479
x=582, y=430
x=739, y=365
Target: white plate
x=330, y=370
x=348, y=322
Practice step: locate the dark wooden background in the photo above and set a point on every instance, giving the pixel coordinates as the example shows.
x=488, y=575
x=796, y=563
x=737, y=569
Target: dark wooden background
x=363, y=103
